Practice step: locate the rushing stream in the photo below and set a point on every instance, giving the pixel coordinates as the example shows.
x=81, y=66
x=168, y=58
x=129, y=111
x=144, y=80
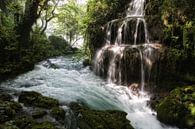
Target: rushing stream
x=67, y=81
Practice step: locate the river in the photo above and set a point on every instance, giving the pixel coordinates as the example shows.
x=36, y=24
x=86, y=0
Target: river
x=66, y=79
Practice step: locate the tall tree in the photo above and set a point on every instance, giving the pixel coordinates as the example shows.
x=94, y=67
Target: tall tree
x=29, y=18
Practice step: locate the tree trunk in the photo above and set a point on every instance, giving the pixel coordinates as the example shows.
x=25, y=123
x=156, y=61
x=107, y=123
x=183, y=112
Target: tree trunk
x=25, y=26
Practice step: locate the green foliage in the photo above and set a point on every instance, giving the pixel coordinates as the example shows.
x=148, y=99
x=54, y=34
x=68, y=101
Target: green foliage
x=58, y=42
x=70, y=20
x=42, y=48
x=189, y=38
x=178, y=23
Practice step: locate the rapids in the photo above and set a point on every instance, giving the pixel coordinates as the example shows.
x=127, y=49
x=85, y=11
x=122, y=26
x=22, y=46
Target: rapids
x=67, y=80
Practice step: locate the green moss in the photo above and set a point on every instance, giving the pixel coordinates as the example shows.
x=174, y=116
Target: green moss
x=8, y=110
x=58, y=113
x=36, y=99
x=39, y=114
x=27, y=122
x=24, y=122
x=5, y=96
x=94, y=119
x=46, y=102
x=9, y=125
x=178, y=108
x=44, y=125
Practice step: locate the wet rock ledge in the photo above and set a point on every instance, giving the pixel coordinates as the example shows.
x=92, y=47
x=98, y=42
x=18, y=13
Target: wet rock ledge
x=35, y=111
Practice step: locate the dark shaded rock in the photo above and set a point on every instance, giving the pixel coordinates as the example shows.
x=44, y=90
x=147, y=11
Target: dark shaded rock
x=46, y=102
x=94, y=119
x=36, y=99
x=49, y=64
x=86, y=62
x=27, y=122
x=6, y=113
x=178, y=108
x=9, y=125
x=39, y=114
x=58, y=113
x=24, y=122
x=44, y=125
x=5, y=96
x=8, y=110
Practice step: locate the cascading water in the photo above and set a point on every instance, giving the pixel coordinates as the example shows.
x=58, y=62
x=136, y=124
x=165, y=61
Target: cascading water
x=135, y=13
x=115, y=58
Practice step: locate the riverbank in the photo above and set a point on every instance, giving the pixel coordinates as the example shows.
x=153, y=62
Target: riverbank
x=33, y=111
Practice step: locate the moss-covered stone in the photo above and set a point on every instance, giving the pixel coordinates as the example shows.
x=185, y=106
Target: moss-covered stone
x=93, y=119
x=39, y=114
x=178, y=108
x=27, y=122
x=8, y=110
x=13, y=116
x=36, y=99
x=44, y=125
x=9, y=125
x=24, y=122
x=58, y=113
x=5, y=96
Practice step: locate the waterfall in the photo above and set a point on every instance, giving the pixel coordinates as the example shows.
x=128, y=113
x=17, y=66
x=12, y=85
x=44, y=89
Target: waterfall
x=132, y=33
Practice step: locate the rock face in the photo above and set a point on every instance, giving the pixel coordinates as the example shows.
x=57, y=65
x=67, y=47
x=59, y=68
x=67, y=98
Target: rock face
x=93, y=119
x=178, y=108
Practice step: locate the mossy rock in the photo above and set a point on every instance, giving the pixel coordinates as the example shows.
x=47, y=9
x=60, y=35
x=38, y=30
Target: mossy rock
x=24, y=122
x=5, y=96
x=27, y=122
x=39, y=114
x=178, y=108
x=8, y=110
x=94, y=119
x=44, y=125
x=36, y=99
x=86, y=62
x=9, y=125
x=58, y=113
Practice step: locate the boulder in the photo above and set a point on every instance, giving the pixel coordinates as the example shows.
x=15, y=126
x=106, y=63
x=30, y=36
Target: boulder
x=24, y=122
x=9, y=125
x=31, y=98
x=8, y=110
x=44, y=125
x=58, y=113
x=95, y=119
x=5, y=96
x=39, y=114
x=178, y=108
